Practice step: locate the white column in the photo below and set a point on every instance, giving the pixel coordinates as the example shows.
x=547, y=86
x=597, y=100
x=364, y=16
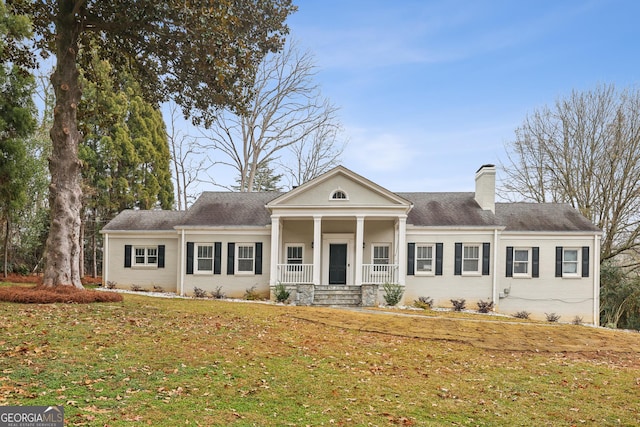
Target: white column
x=402, y=249
x=183, y=260
x=596, y=280
x=317, y=248
x=359, y=249
x=275, y=248
x=105, y=261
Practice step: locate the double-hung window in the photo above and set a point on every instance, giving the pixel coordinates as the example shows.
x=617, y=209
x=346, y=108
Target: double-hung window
x=470, y=259
x=294, y=257
x=424, y=259
x=204, y=262
x=146, y=256
x=570, y=262
x=521, y=262
x=245, y=259
x=381, y=254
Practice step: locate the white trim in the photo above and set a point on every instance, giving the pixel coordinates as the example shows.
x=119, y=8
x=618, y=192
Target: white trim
x=401, y=261
x=529, y=272
x=478, y=271
x=317, y=249
x=596, y=280
x=337, y=238
x=236, y=260
x=359, y=250
x=196, y=258
x=105, y=260
x=417, y=272
x=183, y=261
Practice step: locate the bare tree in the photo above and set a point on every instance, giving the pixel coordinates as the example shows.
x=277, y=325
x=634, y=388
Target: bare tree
x=584, y=151
x=187, y=158
x=286, y=109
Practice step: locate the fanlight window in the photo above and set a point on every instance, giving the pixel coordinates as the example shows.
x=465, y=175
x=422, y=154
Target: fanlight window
x=339, y=195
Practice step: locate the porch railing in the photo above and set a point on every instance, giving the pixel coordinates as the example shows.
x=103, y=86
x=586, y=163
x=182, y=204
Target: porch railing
x=379, y=273
x=294, y=273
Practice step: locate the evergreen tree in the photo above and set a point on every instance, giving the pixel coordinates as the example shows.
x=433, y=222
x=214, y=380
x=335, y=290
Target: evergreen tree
x=265, y=179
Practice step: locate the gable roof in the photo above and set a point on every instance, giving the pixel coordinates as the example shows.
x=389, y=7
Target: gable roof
x=448, y=209
x=542, y=217
x=218, y=209
x=143, y=220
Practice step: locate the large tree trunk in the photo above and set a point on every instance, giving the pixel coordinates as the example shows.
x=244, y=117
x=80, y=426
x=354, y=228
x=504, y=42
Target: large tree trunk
x=62, y=252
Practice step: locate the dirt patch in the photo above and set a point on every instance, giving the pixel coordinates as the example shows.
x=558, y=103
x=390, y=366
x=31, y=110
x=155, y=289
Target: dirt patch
x=59, y=294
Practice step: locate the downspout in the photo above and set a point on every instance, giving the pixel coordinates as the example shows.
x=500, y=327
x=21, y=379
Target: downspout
x=596, y=280
x=182, y=262
x=105, y=261
x=495, y=270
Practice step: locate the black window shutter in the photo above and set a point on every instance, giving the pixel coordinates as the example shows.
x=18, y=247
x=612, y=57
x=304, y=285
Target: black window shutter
x=438, y=259
x=509, y=272
x=558, y=261
x=258, y=267
x=189, y=257
x=127, y=256
x=160, y=256
x=411, y=259
x=486, y=258
x=231, y=250
x=585, y=261
x=458, y=259
x=535, y=262
x=217, y=257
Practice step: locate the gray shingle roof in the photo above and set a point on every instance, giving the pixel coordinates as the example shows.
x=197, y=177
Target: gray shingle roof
x=230, y=209
x=447, y=209
x=542, y=217
x=132, y=220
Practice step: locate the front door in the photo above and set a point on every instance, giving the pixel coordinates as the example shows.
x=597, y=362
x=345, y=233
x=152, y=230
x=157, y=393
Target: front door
x=337, y=263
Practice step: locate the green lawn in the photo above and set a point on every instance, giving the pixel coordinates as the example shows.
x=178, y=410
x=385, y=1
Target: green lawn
x=168, y=362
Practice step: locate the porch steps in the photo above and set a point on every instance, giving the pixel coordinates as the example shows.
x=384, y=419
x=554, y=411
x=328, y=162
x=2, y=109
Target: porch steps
x=326, y=295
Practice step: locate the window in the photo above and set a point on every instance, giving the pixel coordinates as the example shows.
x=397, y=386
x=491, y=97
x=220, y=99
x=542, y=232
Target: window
x=570, y=262
x=146, y=256
x=424, y=259
x=381, y=254
x=294, y=257
x=521, y=262
x=470, y=258
x=339, y=195
x=245, y=259
x=204, y=258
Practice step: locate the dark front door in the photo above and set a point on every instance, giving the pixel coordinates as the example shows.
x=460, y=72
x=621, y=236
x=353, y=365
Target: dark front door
x=337, y=264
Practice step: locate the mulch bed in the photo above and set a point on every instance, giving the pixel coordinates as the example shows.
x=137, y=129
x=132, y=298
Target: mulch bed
x=41, y=294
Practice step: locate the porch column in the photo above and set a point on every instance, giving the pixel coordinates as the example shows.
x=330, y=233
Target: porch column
x=359, y=249
x=275, y=248
x=402, y=249
x=317, y=248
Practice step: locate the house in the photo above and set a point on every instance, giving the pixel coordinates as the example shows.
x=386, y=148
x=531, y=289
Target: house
x=339, y=237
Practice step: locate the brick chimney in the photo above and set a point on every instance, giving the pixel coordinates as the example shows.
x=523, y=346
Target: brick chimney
x=486, y=187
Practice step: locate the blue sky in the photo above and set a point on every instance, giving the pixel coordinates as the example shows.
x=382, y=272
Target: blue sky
x=429, y=91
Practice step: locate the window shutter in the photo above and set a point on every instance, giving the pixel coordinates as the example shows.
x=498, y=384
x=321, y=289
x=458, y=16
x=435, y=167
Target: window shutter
x=558, y=261
x=486, y=258
x=509, y=272
x=585, y=261
x=127, y=256
x=438, y=259
x=189, y=257
x=231, y=250
x=411, y=259
x=160, y=256
x=217, y=257
x=258, y=267
x=535, y=262
x=458, y=259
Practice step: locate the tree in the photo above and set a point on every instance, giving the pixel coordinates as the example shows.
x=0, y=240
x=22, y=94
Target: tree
x=285, y=109
x=264, y=179
x=584, y=151
x=202, y=52
x=17, y=121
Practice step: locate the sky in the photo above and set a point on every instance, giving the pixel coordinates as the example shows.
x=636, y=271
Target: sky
x=429, y=91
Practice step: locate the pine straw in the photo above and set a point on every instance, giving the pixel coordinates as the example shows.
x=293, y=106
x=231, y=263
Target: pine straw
x=59, y=294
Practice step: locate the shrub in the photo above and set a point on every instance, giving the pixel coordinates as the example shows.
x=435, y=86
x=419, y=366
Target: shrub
x=157, y=288
x=281, y=293
x=424, y=303
x=485, y=306
x=218, y=294
x=111, y=285
x=392, y=293
x=137, y=288
x=522, y=314
x=251, y=294
x=199, y=293
x=552, y=317
x=577, y=320
x=458, y=304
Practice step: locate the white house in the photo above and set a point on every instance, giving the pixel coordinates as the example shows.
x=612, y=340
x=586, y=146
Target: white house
x=340, y=237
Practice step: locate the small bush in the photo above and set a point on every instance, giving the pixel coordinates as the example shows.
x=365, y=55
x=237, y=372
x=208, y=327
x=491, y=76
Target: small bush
x=218, y=294
x=577, y=320
x=424, y=303
x=251, y=294
x=111, y=285
x=157, y=288
x=522, y=315
x=137, y=288
x=552, y=317
x=392, y=293
x=485, y=306
x=55, y=294
x=281, y=293
x=458, y=304
x=199, y=293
